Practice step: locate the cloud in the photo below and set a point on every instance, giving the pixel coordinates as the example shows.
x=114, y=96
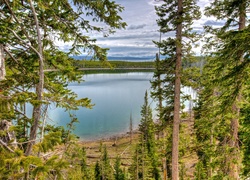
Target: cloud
x=213, y=23
x=133, y=27
x=155, y=2
x=133, y=50
x=136, y=39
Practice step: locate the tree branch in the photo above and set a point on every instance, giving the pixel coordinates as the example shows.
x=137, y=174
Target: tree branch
x=21, y=25
x=23, y=42
x=6, y=146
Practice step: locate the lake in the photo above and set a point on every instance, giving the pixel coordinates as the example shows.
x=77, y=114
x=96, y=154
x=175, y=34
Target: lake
x=115, y=96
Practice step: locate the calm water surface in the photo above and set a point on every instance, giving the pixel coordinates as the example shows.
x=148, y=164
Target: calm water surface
x=115, y=96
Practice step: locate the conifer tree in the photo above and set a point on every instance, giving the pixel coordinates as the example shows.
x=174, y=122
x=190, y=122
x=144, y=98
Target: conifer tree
x=38, y=50
x=139, y=169
x=98, y=175
x=119, y=174
x=176, y=17
x=29, y=30
x=146, y=126
x=147, y=144
x=105, y=166
x=230, y=73
x=84, y=166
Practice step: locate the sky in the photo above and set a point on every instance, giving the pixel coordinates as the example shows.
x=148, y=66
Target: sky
x=136, y=39
x=142, y=29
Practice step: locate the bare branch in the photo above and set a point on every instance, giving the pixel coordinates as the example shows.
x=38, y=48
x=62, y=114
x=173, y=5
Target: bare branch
x=6, y=146
x=21, y=25
x=23, y=42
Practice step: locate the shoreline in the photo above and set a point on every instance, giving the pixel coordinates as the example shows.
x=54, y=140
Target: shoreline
x=109, y=137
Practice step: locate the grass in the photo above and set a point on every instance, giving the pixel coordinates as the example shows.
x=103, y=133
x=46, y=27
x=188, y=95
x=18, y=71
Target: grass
x=116, y=146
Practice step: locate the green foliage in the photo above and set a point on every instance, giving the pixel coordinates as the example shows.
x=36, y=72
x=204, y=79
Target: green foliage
x=145, y=164
x=27, y=53
x=103, y=169
x=176, y=69
x=98, y=175
x=119, y=175
x=106, y=168
x=200, y=172
x=164, y=76
x=84, y=166
x=138, y=168
x=113, y=64
x=244, y=136
x=220, y=96
x=49, y=141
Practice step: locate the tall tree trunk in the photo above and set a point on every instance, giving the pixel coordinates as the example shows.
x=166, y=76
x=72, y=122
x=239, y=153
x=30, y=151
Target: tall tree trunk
x=177, y=91
x=39, y=86
x=158, y=67
x=131, y=128
x=2, y=63
x=234, y=156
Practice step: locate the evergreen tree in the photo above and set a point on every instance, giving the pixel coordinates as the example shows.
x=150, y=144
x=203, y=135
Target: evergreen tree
x=119, y=175
x=29, y=29
x=146, y=126
x=84, y=166
x=98, y=175
x=105, y=166
x=229, y=71
x=147, y=141
x=139, y=167
x=175, y=16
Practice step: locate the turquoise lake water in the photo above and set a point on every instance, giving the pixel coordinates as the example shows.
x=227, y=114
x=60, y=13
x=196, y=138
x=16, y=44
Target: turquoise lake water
x=115, y=96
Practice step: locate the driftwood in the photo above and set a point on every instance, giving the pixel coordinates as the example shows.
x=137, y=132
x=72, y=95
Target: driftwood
x=110, y=157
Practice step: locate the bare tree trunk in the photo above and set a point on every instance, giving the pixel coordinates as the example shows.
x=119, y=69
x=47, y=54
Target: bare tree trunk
x=137, y=165
x=131, y=128
x=159, y=82
x=164, y=164
x=2, y=63
x=234, y=156
x=39, y=86
x=177, y=91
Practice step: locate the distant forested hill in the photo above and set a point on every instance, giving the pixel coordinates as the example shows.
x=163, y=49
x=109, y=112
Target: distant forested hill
x=112, y=58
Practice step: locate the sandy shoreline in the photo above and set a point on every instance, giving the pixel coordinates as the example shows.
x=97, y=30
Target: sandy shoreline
x=109, y=137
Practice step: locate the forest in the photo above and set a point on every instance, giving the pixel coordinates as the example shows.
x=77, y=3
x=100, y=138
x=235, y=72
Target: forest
x=210, y=141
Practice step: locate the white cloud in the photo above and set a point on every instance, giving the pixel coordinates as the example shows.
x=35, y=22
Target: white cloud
x=136, y=39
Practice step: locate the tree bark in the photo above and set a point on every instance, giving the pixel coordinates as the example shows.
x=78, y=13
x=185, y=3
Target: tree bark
x=234, y=156
x=39, y=86
x=2, y=63
x=131, y=128
x=177, y=91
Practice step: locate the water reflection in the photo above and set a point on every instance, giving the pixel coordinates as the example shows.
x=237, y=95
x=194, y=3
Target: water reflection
x=115, y=96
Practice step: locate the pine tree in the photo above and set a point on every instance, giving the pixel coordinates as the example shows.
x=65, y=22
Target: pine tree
x=177, y=17
x=139, y=167
x=29, y=49
x=230, y=61
x=98, y=175
x=146, y=159
x=84, y=166
x=119, y=175
x=105, y=166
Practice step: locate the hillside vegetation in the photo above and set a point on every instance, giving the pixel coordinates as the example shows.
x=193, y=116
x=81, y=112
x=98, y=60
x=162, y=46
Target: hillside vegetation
x=114, y=64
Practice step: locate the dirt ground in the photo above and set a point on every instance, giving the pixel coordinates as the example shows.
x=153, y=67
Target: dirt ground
x=118, y=146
